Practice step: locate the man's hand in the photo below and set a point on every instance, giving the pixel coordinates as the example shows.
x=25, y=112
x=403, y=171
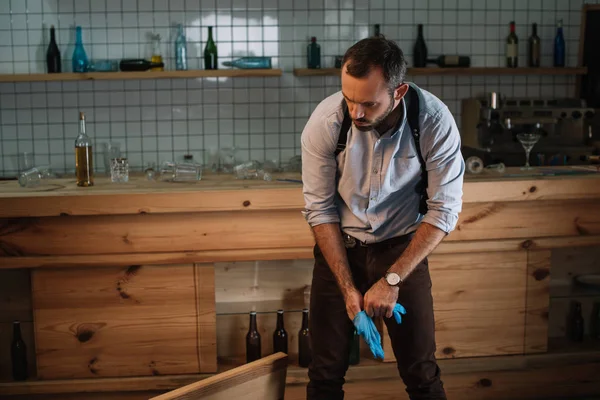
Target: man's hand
x=354, y=302
x=381, y=299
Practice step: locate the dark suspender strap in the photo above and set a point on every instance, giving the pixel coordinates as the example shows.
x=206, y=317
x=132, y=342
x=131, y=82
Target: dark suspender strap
x=346, y=124
x=412, y=116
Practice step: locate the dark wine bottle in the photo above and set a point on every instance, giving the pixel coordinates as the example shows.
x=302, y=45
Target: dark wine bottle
x=377, y=31
x=354, y=357
x=253, y=352
x=210, y=52
x=18, y=352
x=53, y=61
x=451, y=61
x=280, y=337
x=533, y=53
x=595, y=321
x=575, y=323
x=512, y=48
x=304, y=349
x=420, y=49
x=313, y=52
x=138, y=65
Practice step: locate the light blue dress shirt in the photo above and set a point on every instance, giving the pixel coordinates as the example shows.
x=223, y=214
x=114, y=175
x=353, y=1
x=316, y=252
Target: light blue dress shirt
x=370, y=187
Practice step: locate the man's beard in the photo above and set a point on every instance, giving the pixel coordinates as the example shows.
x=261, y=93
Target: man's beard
x=375, y=124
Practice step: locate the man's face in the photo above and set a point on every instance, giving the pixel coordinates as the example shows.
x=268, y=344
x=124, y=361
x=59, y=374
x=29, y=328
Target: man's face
x=369, y=99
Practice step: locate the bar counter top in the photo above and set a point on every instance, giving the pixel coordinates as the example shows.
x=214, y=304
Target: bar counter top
x=223, y=192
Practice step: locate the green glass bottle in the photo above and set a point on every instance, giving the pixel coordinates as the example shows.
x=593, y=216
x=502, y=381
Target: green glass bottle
x=354, y=356
x=210, y=52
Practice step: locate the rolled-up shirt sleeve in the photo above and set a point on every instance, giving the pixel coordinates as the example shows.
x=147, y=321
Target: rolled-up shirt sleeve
x=319, y=169
x=440, y=145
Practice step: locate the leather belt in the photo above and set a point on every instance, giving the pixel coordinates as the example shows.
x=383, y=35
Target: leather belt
x=351, y=242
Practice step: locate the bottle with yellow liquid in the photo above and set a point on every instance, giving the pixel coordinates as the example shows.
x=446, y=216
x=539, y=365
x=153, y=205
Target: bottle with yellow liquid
x=156, y=53
x=84, y=166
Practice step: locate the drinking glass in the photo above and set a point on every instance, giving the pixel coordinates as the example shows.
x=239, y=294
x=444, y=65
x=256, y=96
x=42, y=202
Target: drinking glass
x=33, y=176
x=183, y=172
x=25, y=161
x=110, y=151
x=119, y=170
x=528, y=140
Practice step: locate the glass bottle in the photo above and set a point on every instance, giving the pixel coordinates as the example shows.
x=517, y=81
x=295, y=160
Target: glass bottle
x=80, y=60
x=595, y=321
x=181, y=50
x=559, y=46
x=377, y=30
x=512, y=48
x=253, y=352
x=156, y=52
x=18, y=352
x=53, y=61
x=354, y=357
x=420, y=50
x=575, y=323
x=210, y=52
x=304, y=349
x=533, y=55
x=84, y=166
x=314, y=54
x=139, y=64
x=250, y=63
x=280, y=337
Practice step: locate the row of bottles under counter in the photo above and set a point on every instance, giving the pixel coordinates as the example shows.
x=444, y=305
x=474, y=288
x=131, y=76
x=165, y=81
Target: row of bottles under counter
x=281, y=338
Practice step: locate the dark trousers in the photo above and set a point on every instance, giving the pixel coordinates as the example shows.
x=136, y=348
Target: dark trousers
x=331, y=329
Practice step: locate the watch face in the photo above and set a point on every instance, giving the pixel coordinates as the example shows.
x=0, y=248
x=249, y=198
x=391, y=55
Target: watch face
x=393, y=279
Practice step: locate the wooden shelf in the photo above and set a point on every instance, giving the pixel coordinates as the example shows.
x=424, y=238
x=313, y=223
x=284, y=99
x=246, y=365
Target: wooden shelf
x=221, y=73
x=458, y=71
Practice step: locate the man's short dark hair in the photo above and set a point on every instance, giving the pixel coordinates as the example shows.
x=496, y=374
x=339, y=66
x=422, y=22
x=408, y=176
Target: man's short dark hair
x=372, y=52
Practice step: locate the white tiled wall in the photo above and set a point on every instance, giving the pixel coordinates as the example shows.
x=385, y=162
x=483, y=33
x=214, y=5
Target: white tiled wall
x=157, y=120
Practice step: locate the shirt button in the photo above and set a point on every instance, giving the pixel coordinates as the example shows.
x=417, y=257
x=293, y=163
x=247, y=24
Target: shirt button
x=374, y=170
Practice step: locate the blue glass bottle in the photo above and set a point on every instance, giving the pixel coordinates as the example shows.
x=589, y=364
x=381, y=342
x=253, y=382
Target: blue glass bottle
x=181, y=51
x=80, y=60
x=559, y=46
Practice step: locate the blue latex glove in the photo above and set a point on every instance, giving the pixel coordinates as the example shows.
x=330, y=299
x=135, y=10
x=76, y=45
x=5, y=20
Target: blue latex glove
x=366, y=328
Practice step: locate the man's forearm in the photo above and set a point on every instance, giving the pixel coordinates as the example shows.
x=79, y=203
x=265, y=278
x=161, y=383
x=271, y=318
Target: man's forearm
x=329, y=240
x=426, y=239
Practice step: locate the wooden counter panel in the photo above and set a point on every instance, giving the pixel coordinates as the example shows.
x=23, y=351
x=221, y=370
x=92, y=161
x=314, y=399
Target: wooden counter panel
x=140, y=320
x=479, y=304
x=153, y=233
x=265, y=229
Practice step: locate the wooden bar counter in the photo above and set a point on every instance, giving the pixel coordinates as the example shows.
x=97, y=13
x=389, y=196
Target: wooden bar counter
x=143, y=287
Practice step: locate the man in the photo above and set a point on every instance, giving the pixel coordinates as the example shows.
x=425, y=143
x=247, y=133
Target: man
x=363, y=206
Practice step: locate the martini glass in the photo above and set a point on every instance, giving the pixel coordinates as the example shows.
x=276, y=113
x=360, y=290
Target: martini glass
x=528, y=140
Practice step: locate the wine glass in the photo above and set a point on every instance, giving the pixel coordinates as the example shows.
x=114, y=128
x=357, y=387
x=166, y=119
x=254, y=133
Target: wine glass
x=528, y=140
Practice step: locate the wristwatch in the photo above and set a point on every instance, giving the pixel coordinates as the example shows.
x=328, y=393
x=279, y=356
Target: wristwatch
x=393, y=279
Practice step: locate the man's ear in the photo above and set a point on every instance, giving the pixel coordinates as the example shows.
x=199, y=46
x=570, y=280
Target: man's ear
x=400, y=91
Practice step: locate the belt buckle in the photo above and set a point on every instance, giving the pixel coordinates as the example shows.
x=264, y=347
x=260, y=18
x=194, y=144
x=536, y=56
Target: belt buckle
x=349, y=242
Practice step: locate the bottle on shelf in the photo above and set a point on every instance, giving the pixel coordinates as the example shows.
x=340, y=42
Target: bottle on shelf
x=250, y=63
x=559, y=46
x=313, y=52
x=210, y=52
x=420, y=49
x=595, y=321
x=18, y=353
x=354, y=357
x=512, y=47
x=280, y=337
x=84, y=166
x=377, y=31
x=304, y=349
x=53, y=61
x=80, y=60
x=181, y=50
x=451, y=61
x=575, y=324
x=253, y=352
x=533, y=52
x=139, y=65
x=157, y=53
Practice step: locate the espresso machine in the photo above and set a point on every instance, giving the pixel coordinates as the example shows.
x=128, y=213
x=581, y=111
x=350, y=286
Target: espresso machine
x=568, y=129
